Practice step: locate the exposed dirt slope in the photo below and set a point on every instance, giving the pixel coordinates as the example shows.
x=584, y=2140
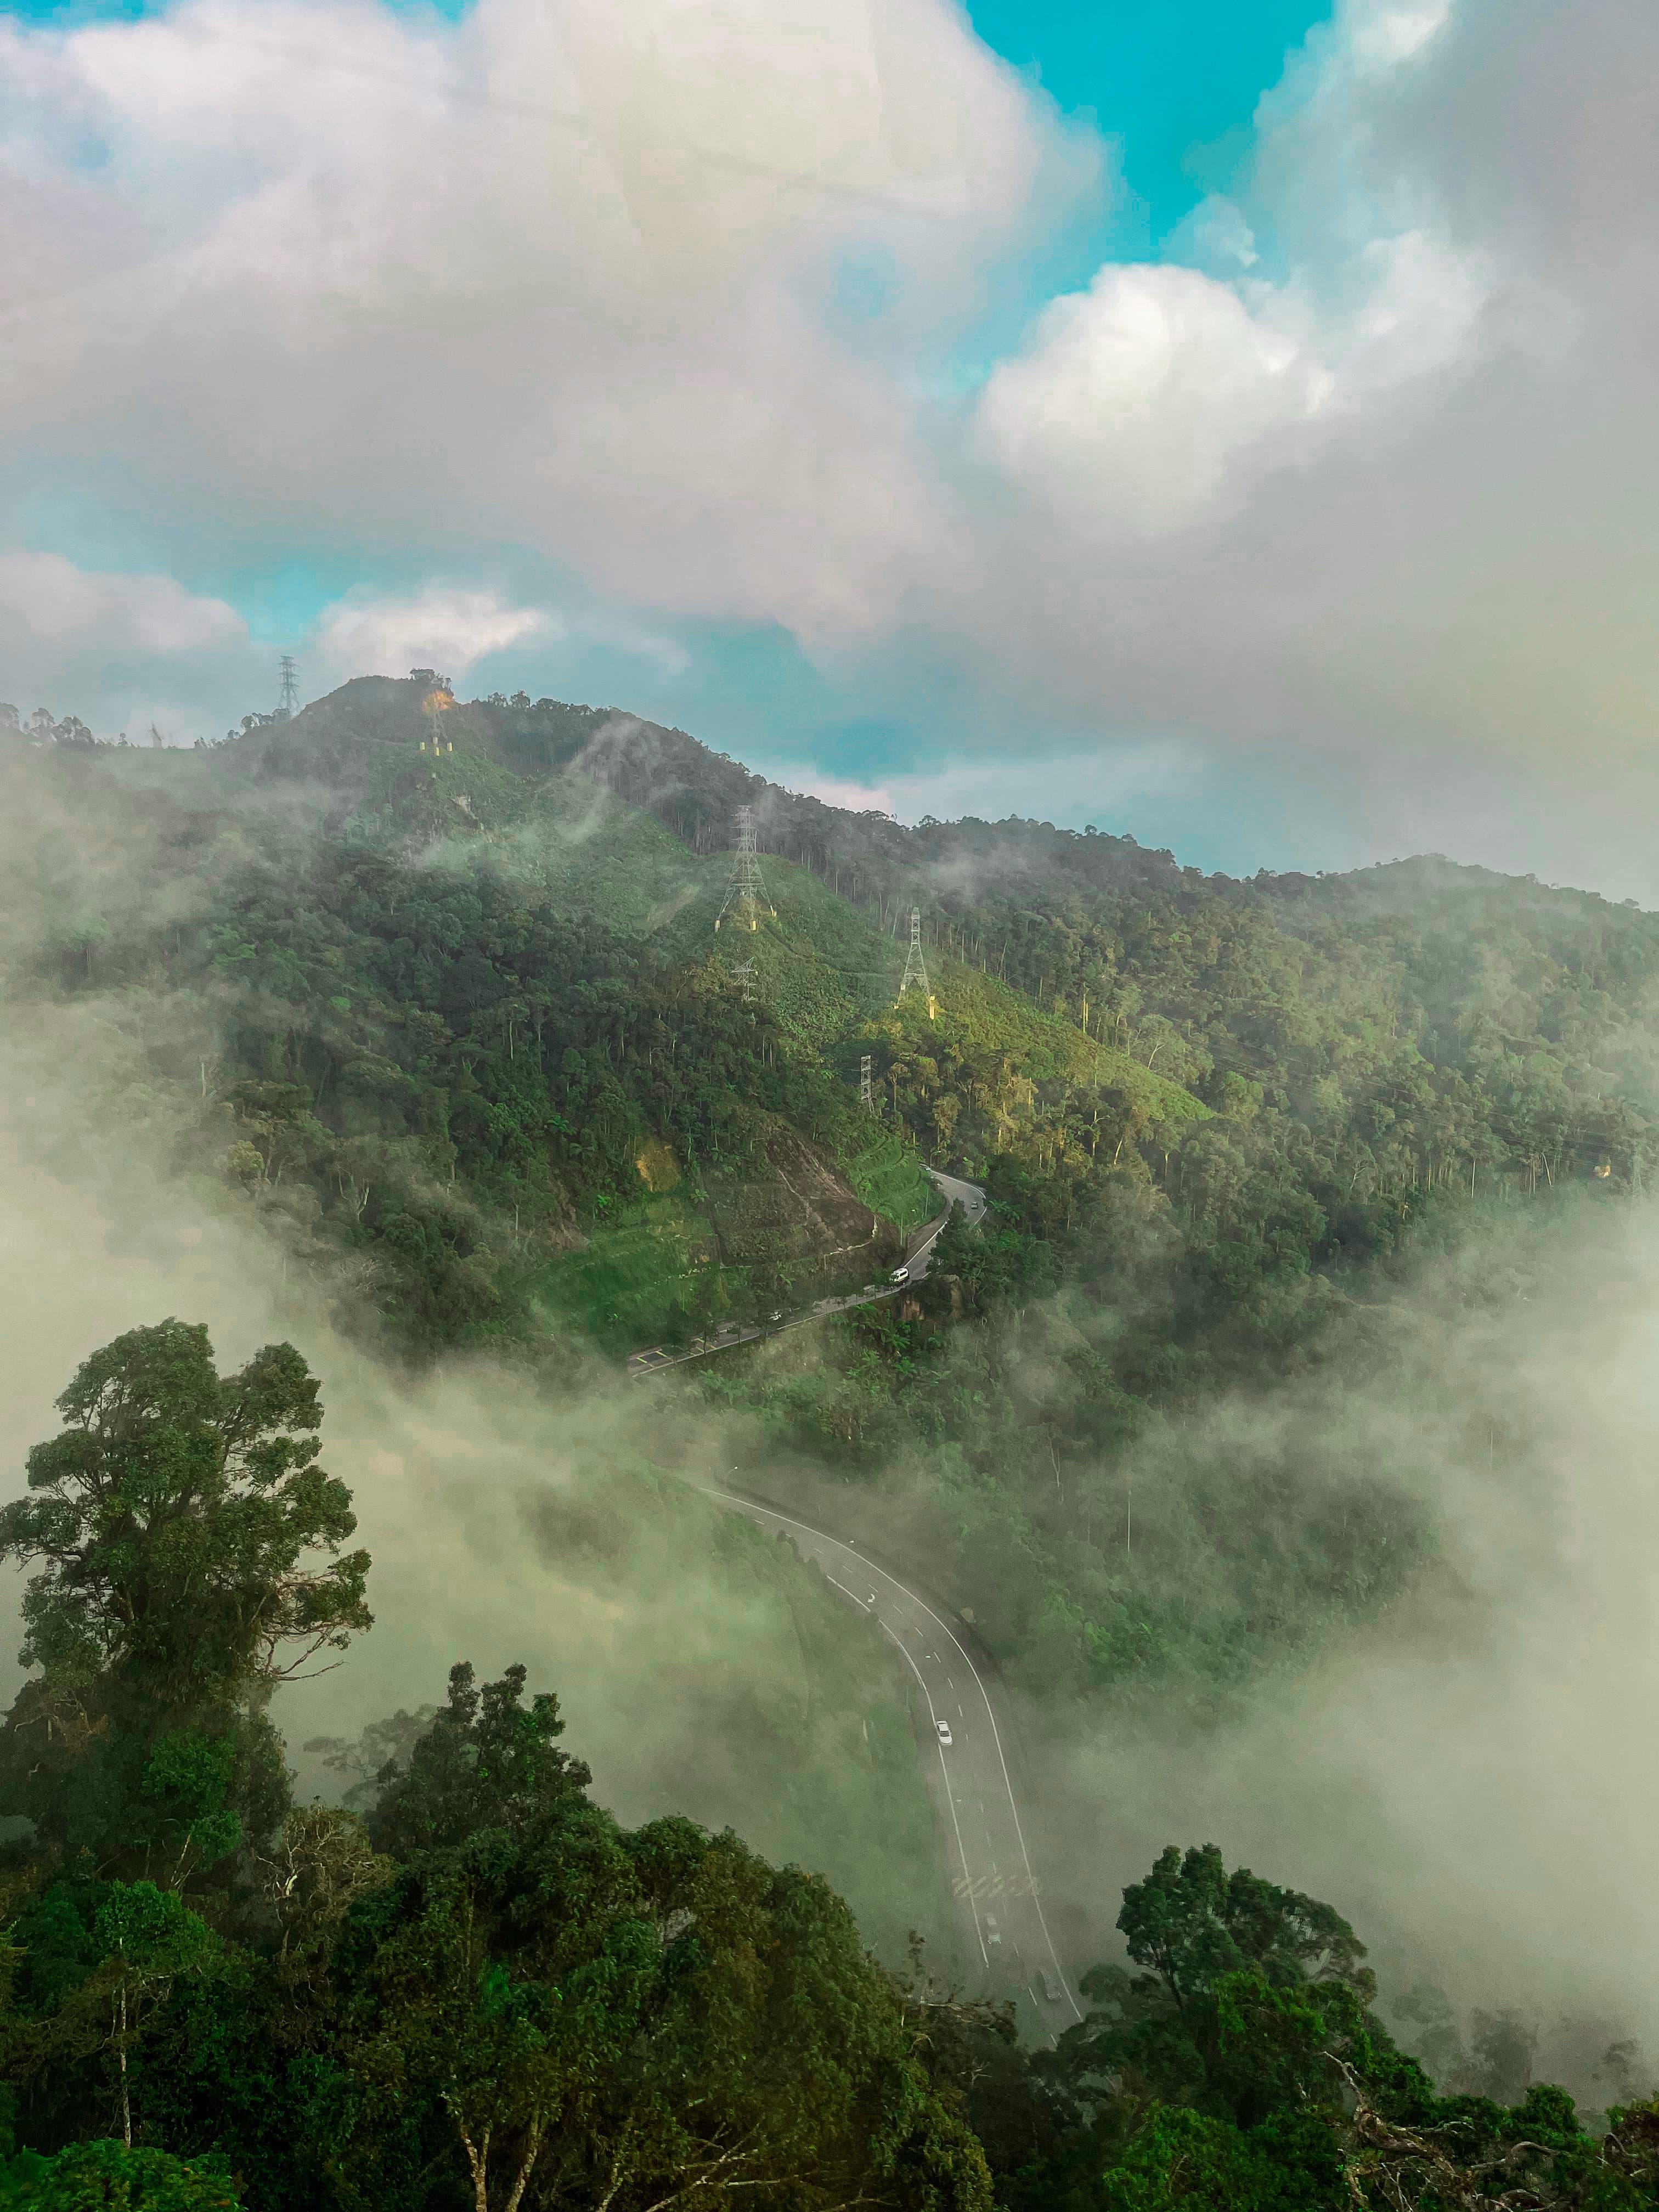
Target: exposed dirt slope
x=804, y=1209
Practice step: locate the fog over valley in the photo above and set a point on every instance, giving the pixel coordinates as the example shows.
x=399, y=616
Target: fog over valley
x=829, y=1107
x=1239, y=1445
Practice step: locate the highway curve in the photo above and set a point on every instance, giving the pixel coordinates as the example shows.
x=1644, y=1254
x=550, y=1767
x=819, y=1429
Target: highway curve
x=991, y=1874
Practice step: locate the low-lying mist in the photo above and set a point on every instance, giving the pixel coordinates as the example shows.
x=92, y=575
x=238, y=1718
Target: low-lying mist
x=1467, y=1778
x=701, y=1668
x=1463, y=1773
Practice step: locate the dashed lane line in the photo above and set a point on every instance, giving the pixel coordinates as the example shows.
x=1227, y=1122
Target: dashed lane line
x=730, y=1499
x=950, y=1799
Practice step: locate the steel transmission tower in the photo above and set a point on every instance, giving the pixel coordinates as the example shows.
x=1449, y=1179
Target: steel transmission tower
x=866, y=1095
x=745, y=895
x=288, y=704
x=915, y=967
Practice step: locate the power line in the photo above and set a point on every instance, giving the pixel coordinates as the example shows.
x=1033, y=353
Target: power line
x=745, y=893
x=915, y=967
x=288, y=704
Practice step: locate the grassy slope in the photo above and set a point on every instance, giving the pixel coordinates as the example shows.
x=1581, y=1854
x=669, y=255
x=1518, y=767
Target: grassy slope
x=598, y=855
x=818, y=965
x=639, y=1260
x=890, y=1179
x=977, y=1015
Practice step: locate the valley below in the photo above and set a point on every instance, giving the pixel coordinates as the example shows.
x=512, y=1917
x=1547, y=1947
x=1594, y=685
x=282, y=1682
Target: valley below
x=1172, y=1372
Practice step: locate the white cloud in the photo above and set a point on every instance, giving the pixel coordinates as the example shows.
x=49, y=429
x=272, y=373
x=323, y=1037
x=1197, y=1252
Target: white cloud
x=1381, y=498
x=1094, y=785
x=1136, y=398
x=1164, y=391
x=1215, y=237
x=833, y=790
x=122, y=650
x=1372, y=479
x=555, y=276
x=454, y=629
x=1381, y=35
x=437, y=628
x=1067, y=788
x=48, y=601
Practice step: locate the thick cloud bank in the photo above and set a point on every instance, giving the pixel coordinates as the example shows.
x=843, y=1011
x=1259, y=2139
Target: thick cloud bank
x=725, y=314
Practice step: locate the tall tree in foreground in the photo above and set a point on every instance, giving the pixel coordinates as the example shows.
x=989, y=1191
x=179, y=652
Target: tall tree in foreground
x=541, y=2008
x=488, y=1760
x=188, y=1555
x=89, y=2176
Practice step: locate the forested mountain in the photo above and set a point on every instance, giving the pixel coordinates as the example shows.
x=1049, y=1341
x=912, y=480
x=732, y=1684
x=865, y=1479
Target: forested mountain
x=435, y=988
x=432, y=994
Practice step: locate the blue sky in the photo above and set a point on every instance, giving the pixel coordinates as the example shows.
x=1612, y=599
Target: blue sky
x=1190, y=421
x=1176, y=83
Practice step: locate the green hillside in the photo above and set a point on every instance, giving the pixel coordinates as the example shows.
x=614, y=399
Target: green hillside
x=455, y=1027
x=463, y=1000
x=887, y=1177
x=819, y=966
x=988, y=1074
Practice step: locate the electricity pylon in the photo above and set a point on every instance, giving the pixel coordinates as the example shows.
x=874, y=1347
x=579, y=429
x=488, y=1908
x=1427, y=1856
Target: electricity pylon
x=915, y=967
x=745, y=895
x=744, y=972
x=866, y=1095
x=288, y=704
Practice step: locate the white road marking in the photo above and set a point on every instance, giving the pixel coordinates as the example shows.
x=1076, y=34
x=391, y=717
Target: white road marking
x=950, y=1637
x=961, y=1855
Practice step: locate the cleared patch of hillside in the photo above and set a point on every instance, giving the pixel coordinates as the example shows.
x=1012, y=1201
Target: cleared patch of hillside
x=639, y=1262
x=818, y=966
x=790, y=1226
x=889, y=1177
x=802, y=1209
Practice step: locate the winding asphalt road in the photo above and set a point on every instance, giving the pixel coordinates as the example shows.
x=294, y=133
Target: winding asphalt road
x=992, y=1875
x=967, y=1195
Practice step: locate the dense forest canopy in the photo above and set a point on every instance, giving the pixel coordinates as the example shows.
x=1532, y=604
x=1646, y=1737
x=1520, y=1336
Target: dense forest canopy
x=475, y=1987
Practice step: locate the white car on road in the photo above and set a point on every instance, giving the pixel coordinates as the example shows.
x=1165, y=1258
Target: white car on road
x=944, y=1727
